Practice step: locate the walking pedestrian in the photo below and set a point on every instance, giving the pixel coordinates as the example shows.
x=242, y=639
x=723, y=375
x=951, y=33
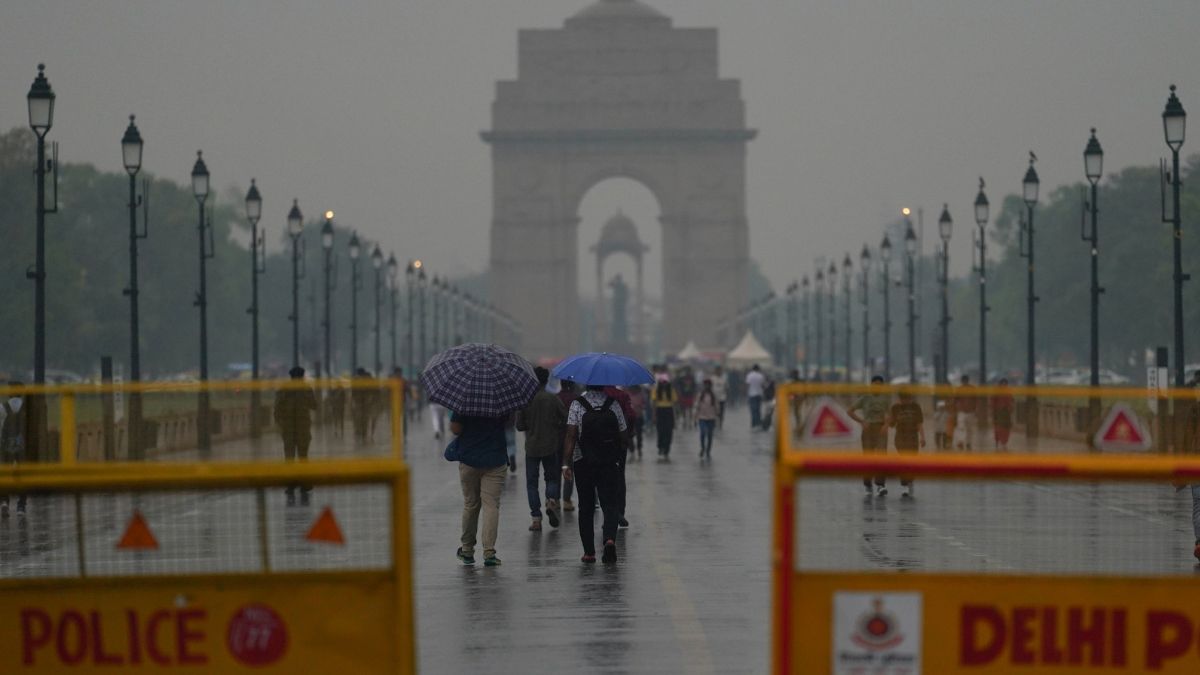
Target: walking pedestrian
x=1002, y=416
x=337, y=409
x=707, y=411
x=294, y=406
x=13, y=434
x=362, y=399
x=909, y=422
x=637, y=401
x=566, y=395
x=626, y=402
x=544, y=422
x=596, y=430
x=510, y=442
x=685, y=386
x=482, y=457
x=721, y=390
x=665, y=400
x=874, y=409
x=755, y=381
x=940, y=439
x=967, y=424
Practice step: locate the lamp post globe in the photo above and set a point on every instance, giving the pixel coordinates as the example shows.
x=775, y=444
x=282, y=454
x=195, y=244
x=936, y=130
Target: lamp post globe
x=981, y=206
x=295, y=219
x=1174, y=121
x=40, y=101
x=327, y=233
x=1030, y=185
x=1093, y=159
x=355, y=247
x=945, y=224
x=200, y=178
x=131, y=148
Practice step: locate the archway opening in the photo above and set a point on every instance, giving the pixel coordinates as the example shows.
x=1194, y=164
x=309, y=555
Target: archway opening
x=613, y=316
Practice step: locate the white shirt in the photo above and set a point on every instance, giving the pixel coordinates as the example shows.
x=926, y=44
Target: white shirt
x=754, y=383
x=720, y=388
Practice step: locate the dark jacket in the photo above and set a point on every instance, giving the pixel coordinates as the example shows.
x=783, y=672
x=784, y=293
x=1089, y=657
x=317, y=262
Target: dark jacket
x=481, y=443
x=544, y=421
x=293, y=411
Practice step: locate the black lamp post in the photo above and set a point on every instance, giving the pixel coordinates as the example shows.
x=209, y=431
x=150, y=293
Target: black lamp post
x=327, y=323
x=435, y=295
x=355, y=286
x=295, y=222
x=377, y=263
x=885, y=255
x=410, y=275
x=804, y=285
x=981, y=219
x=818, y=288
x=422, y=283
x=1174, y=125
x=791, y=324
x=831, y=278
x=40, y=101
x=910, y=250
x=864, y=262
x=257, y=266
x=1093, y=166
x=459, y=311
x=131, y=153
x=1029, y=192
x=448, y=314
x=200, y=183
x=945, y=229
x=847, y=268
x=393, y=268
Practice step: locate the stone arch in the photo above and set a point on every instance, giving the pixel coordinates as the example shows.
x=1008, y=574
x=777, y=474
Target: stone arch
x=618, y=92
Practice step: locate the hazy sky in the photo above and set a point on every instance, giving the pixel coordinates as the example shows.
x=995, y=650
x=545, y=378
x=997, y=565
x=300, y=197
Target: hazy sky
x=373, y=107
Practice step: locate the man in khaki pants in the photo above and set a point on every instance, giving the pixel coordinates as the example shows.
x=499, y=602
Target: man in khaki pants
x=483, y=457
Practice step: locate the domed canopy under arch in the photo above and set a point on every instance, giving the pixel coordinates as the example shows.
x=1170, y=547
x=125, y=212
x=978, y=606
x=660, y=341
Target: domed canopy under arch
x=619, y=235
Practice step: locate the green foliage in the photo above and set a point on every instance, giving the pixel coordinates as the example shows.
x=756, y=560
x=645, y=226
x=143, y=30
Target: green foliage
x=87, y=263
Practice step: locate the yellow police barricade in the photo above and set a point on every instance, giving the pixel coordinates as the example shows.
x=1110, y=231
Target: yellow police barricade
x=1066, y=548
x=220, y=566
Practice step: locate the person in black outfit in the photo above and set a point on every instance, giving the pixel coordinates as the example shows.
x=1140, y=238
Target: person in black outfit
x=596, y=434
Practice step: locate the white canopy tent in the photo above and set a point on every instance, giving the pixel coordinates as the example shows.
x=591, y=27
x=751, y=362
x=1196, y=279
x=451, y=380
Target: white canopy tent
x=690, y=351
x=748, y=352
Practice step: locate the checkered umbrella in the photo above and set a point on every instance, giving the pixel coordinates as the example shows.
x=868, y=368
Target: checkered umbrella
x=479, y=379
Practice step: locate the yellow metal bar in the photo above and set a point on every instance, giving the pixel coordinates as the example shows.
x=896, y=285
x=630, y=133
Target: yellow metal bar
x=235, y=386
x=68, y=436
x=145, y=476
x=947, y=391
x=397, y=408
x=402, y=567
x=997, y=466
x=174, y=580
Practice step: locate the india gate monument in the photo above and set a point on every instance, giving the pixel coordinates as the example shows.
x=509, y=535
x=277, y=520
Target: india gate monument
x=618, y=92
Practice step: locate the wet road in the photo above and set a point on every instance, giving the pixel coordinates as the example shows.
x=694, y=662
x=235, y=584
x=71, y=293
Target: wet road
x=690, y=592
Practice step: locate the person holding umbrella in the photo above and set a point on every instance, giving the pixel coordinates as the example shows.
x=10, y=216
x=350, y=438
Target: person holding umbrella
x=482, y=385
x=596, y=443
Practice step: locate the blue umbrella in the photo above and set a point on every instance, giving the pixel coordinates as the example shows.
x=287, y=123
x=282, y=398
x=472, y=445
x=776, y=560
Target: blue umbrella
x=480, y=380
x=602, y=368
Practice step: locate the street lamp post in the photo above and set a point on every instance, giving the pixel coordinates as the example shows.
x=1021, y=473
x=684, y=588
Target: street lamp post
x=864, y=262
x=831, y=277
x=200, y=184
x=885, y=255
x=804, y=285
x=435, y=294
x=1093, y=165
x=847, y=267
x=355, y=285
x=945, y=229
x=327, y=323
x=377, y=263
x=257, y=267
x=131, y=152
x=421, y=288
x=791, y=325
x=40, y=101
x=1029, y=192
x=447, y=314
x=818, y=287
x=295, y=222
x=910, y=250
x=410, y=274
x=393, y=268
x=981, y=219
x=1174, y=124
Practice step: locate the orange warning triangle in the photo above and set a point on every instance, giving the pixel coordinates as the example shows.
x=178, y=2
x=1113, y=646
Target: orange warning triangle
x=137, y=534
x=829, y=423
x=325, y=529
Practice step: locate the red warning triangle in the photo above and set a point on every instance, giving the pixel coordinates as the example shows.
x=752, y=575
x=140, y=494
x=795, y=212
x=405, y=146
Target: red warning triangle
x=325, y=529
x=827, y=423
x=137, y=534
x=1121, y=430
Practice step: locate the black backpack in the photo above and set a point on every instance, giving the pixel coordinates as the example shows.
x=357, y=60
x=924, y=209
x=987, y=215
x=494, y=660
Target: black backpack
x=600, y=433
